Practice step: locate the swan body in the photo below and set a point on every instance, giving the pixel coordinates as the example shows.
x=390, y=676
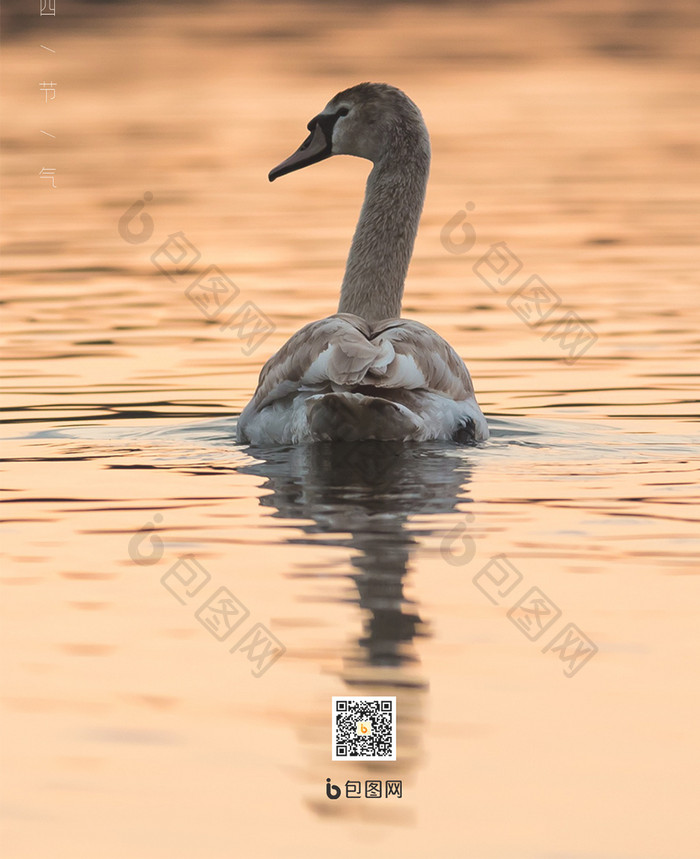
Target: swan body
x=365, y=373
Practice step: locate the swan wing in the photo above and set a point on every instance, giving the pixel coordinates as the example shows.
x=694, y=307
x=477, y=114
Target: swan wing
x=422, y=360
x=336, y=351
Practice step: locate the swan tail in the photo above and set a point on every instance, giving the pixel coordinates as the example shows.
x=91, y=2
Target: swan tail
x=357, y=417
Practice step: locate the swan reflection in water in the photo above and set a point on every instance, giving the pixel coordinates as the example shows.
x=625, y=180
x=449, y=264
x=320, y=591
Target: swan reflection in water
x=364, y=496
x=368, y=491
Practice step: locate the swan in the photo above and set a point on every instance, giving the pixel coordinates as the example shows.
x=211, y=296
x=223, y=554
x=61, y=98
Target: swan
x=365, y=373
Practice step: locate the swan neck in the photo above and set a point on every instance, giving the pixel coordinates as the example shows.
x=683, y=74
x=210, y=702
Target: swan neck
x=383, y=242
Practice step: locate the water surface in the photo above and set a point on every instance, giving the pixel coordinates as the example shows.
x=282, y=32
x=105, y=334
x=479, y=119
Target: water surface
x=130, y=729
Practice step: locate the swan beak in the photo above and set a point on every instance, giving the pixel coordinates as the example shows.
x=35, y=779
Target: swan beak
x=316, y=147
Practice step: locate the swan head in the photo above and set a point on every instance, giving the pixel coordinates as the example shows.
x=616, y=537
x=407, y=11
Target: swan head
x=367, y=120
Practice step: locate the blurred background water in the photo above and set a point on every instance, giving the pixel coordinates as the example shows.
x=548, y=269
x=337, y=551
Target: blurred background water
x=567, y=131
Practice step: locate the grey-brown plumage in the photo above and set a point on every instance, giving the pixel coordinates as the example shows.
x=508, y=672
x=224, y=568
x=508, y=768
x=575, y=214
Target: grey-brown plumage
x=364, y=373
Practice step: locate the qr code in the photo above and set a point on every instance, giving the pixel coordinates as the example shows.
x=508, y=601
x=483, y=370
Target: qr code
x=364, y=729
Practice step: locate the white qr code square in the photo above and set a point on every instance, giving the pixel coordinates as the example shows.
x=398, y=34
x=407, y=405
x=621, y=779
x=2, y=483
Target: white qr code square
x=364, y=729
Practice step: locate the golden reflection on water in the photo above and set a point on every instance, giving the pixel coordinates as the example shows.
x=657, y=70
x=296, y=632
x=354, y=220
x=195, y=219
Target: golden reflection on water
x=571, y=132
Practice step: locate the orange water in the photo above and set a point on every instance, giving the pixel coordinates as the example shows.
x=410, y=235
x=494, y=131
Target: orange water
x=129, y=729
